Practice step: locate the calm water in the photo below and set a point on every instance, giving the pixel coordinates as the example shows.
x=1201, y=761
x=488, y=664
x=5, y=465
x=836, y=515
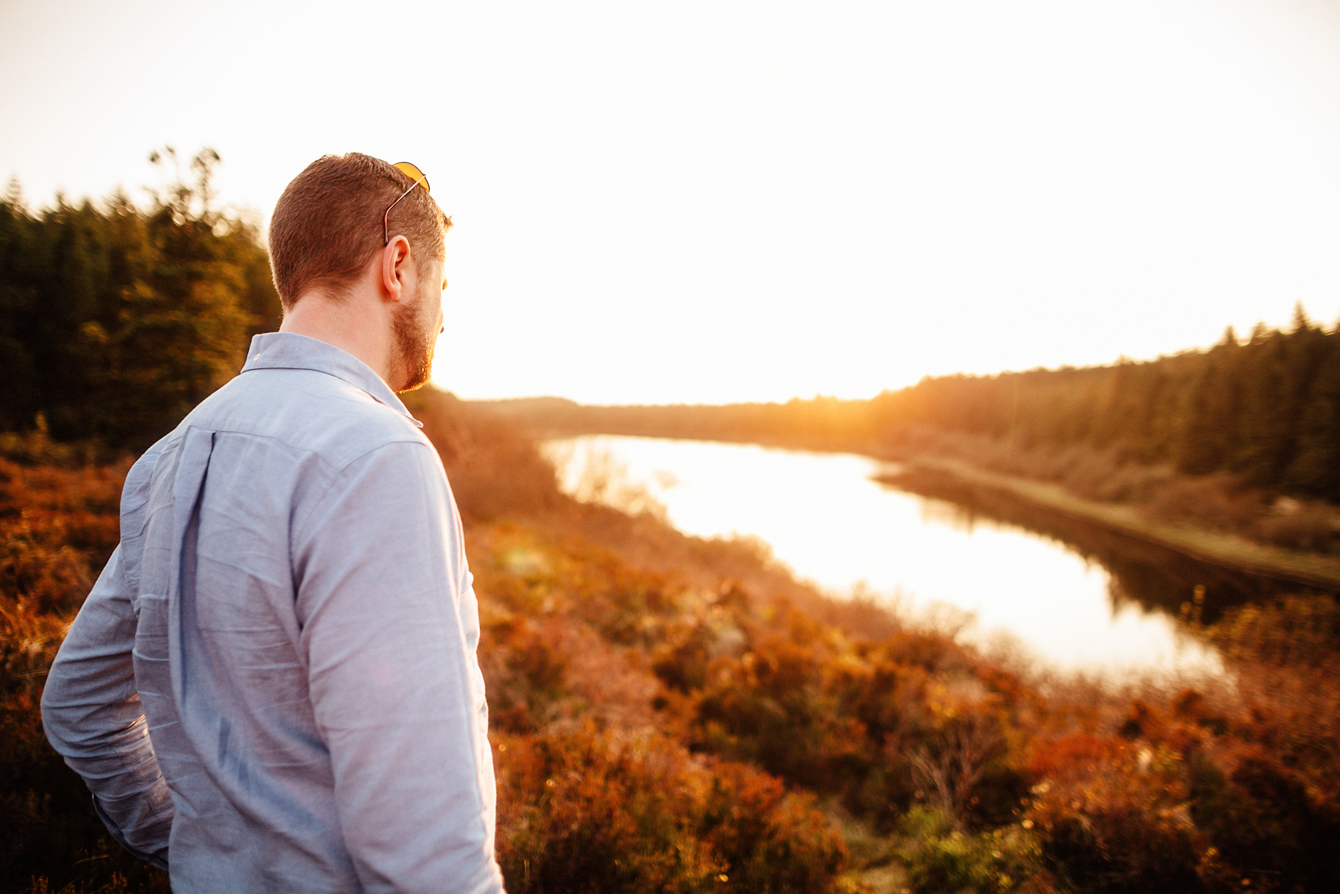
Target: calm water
x=831, y=524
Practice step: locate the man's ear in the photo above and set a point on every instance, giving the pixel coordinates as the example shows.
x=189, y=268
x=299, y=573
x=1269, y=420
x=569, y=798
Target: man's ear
x=395, y=261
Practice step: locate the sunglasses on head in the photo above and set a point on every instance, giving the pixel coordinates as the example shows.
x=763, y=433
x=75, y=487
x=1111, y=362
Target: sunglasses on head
x=418, y=177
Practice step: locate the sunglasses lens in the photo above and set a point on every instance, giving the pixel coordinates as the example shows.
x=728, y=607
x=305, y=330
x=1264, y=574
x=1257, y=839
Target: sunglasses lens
x=412, y=173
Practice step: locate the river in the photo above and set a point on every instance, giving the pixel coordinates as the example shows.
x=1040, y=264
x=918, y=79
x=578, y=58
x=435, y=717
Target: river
x=1007, y=587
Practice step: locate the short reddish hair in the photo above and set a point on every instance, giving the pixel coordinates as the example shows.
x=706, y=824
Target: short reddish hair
x=325, y=226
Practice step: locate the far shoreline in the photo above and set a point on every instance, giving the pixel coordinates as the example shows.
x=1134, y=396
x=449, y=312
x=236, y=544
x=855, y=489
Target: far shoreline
x=1225, y=550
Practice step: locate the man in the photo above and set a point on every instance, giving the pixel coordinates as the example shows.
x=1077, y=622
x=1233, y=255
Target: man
x=273, y=684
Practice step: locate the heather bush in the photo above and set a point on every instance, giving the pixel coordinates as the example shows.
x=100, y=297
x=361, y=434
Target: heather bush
x=1265, y=824
x=874, y=724
x=955, y=757
x=1111, y=816
x=681, y=663
x=54, y=526
x=770, y=707
x=1291, y=631
x=58, y=524
x=587, y=812
x=631, y=609
x=943, y=859
x=28, y=643
x=525, y=673
x=52, y=579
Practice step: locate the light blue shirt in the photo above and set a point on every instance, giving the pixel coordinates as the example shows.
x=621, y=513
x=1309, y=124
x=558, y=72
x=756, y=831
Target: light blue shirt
x=273, y=684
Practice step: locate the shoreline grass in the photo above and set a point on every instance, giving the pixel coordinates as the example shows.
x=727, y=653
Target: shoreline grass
x=1229, y=550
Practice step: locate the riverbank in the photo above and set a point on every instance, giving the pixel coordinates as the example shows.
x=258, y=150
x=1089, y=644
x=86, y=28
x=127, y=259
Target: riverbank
x=1216, y=518
x=1306, y=569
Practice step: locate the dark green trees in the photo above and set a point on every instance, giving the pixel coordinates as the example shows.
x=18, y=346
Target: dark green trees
x=1267, y=409
x=115, y=321
x=1315, y=467
x=1214, y=404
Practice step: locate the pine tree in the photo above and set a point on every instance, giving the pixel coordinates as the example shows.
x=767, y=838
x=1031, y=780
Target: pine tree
x=1212, y=411
x=115, y=321
x=17, y=298
x=1316, y=467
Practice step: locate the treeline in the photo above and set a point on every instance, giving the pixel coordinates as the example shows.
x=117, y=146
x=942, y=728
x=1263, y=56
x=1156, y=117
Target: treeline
x=1266, y=409
x=115, y=319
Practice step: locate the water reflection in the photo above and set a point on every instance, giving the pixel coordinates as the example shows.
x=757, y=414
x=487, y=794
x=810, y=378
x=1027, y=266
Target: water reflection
x=826, y=518
x=1146, y=573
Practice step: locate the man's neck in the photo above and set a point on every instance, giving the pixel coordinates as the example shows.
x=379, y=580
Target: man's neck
x=351, y=323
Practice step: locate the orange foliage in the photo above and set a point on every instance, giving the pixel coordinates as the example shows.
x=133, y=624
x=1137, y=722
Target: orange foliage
x=666, y=710
x=585, y=811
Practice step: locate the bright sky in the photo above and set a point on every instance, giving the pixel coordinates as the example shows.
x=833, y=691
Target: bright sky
x=714, y=201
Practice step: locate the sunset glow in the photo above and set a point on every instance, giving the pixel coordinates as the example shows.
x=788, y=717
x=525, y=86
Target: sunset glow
x=706, y=202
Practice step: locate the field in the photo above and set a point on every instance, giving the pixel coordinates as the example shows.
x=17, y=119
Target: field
x=673, y=714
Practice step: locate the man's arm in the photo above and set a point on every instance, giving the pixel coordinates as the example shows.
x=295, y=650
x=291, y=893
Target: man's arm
x=92, y=715
x=389, y=631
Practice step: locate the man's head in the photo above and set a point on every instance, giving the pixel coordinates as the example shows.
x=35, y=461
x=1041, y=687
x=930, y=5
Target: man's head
x=328, y=224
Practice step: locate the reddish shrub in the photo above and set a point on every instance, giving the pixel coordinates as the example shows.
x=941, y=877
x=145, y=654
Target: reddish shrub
x=1263, y=820
x=770, y=707
x=1113, y=817
x=585, y=812
x=524, y=674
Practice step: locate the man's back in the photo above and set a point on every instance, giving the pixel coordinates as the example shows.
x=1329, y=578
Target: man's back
x=293, y=579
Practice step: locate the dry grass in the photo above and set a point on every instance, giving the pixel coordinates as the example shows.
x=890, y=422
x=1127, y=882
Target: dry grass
x=1220, y=502
x=1111, y=475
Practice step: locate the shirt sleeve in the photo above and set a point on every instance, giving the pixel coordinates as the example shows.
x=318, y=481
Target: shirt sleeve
x=92, y=716
x=389, y=630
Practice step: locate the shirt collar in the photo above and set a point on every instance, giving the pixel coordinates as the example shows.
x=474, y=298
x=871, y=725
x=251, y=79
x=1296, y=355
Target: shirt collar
x=288, y=350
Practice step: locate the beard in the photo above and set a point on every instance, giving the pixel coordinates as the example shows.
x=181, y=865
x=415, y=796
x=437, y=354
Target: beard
x=414, y=345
